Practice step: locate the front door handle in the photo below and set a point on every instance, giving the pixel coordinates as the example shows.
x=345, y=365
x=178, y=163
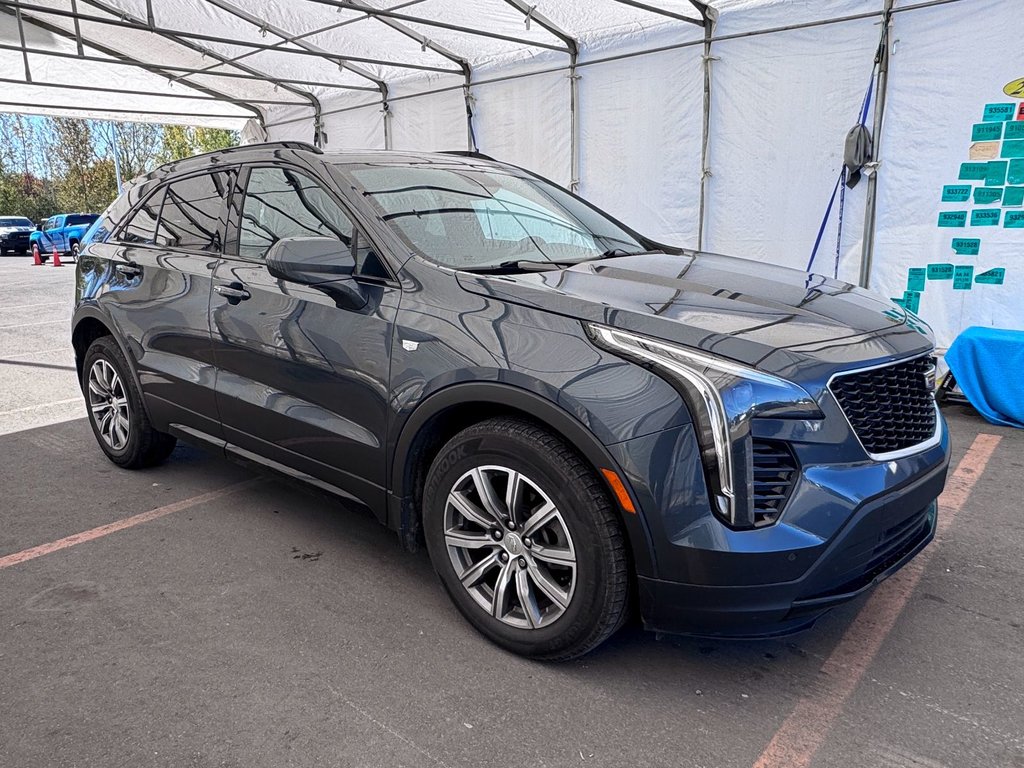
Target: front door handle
x=129, y=270
x=234, y=293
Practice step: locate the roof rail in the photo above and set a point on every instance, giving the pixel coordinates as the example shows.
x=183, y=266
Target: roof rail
x=304, y=146
x=468, y=153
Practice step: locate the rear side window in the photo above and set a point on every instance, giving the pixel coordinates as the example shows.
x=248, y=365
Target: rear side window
x=72, y=221
x=141, y=227
x=281, y=203
x=194, y=211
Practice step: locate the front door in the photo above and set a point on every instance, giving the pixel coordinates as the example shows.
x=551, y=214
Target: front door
x=299, y=380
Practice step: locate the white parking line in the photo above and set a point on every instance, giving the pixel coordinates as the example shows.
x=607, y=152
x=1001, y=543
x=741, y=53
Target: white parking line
x=32, y=306
x=41, y=405
x=45, y=322
x=37, y=352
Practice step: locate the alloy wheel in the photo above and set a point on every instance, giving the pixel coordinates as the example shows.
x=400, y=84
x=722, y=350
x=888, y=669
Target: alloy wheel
x=109, y=404
x=510, y=546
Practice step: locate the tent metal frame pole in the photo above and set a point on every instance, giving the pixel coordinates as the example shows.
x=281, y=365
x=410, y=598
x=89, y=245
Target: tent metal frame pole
x=573, y=49
x=304, y=35
x=871, y=199
x=664, y=11
x=123, y=58
x=154, y=94
x=114, y=110
x=710, y=17
x=342, y=63
x=346, y=5
x=24, y=53
x=126, y=21
x=314, y=102
x=425, y=42
x=78, y=30
x=186, y=71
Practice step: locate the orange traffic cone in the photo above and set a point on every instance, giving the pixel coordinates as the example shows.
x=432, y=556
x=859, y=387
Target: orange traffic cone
x=56, y=258
x=36, y=261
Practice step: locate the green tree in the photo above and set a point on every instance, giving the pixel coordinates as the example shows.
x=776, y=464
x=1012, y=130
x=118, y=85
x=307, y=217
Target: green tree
x=181, y=141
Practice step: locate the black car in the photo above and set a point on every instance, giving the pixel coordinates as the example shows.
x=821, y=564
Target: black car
x=577, y=421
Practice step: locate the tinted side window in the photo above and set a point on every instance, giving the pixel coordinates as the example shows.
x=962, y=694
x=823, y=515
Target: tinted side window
x=141, y=227
x=193, y=212
x=281, y=203
x=72, y=221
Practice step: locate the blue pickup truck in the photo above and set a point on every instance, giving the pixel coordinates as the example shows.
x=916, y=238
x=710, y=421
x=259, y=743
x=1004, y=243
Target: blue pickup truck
x=63, y=232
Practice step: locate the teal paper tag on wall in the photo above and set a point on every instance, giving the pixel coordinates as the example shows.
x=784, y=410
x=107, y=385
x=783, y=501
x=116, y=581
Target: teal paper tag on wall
x=912, y=301
x=1015, y=174
x=996, y=175
x=1014, y=220
x=966, y=246
x=940, y=271
x=915, y=279
x=1013, y=196
x=956, y=193
x=987, y=132
x=1014, y=130
x=963, y=278
x=1013, y=148
x=995, y=113
x=985, y=217
x=973, y=171
x=991, y=277
x=953, y=219
x=987, y=195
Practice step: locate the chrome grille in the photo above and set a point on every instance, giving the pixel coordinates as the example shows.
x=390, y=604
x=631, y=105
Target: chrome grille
x=890, y=408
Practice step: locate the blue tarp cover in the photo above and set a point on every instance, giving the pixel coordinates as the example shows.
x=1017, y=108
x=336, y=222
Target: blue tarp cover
x=988, y=364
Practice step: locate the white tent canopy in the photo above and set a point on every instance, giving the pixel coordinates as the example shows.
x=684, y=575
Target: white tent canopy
x=717, y=125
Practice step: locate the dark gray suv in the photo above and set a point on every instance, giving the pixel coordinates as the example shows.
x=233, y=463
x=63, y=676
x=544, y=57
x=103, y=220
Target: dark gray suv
x=578, y=422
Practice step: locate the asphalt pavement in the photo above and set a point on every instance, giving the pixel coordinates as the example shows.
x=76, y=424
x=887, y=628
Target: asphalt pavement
x=245, y=621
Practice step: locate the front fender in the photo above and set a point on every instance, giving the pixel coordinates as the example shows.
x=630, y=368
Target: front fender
x=508, y=397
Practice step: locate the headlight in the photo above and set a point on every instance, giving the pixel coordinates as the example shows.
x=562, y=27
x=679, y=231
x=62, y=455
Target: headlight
x=723, y=397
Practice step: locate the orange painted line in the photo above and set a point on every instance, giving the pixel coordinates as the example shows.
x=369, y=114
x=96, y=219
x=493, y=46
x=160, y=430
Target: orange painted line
x=119, y=525
x=803, y=732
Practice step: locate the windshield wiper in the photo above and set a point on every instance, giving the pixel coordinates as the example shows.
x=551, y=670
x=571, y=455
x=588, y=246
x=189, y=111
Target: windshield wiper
x=521, y=265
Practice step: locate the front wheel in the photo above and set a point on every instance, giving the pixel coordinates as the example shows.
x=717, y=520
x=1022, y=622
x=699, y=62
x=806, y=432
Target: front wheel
x=118, y=419
x=525, y=540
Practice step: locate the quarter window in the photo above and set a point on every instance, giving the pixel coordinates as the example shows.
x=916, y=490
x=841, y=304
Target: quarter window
x=141, y=227
x=194, y=211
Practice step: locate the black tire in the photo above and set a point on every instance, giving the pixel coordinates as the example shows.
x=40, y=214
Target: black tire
x=75, y=250
x=597, y=606
x=145, y=446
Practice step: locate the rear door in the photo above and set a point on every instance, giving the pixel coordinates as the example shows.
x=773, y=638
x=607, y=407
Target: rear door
x=300, y=381
x=168, y=251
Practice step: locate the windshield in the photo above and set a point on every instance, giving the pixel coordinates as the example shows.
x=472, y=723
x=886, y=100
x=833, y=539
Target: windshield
x=15, y=221
x=85, y=218
x=471, y=217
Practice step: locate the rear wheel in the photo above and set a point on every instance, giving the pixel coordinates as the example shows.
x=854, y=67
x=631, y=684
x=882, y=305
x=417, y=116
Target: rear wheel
x=525, y=540
x=74, y=251
x=118, y=419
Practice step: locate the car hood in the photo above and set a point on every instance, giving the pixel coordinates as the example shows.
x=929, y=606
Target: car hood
x=758, y=314
x=12, y=230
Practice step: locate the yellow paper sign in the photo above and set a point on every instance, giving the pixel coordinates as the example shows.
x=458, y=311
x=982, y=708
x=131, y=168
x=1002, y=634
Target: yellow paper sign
x=1015, y=88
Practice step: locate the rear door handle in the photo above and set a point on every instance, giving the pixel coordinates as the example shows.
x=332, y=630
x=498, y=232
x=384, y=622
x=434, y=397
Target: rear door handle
x=234, y=293
x=129, y=270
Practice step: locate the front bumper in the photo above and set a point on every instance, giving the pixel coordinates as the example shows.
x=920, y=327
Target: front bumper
x=846, y=528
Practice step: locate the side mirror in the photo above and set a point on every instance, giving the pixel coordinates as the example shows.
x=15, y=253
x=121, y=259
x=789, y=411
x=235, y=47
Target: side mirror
x=39, y=227
x=323, y=263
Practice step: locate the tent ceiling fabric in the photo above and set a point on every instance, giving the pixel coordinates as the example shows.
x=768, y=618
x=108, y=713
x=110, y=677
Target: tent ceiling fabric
x=258, y=57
